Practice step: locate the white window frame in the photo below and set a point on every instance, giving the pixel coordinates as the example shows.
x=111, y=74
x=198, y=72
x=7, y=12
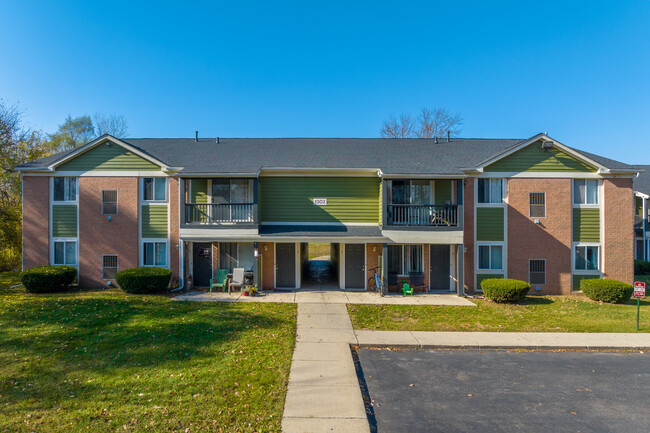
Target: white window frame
x=491, y=270
x=599, y=194
x=587, y=271
x=117, y=267
x=504, y=191
x=537, y=284
x=53, y=247
x=142, y=199
x=58, y=202
x=146, y=241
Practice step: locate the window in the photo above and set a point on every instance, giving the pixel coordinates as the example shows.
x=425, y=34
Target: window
x=537, y=202
x=154, y=254
x=410, y=192
x=65, y=253
x=109, y=202
x=490, y=257
x=154, y=188
x=236, y=255
x=586, y=258
x=537, y=271
x=585, y=191
x=227, y=192
x=65, y=188
x=109, y=267
x=405, y=259
x=490, y=190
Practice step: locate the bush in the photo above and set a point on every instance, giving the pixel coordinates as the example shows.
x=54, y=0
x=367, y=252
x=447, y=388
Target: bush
x=611, y=291
x=641, y=267
x=503, y=290
x=48, y=279
x=144, y=280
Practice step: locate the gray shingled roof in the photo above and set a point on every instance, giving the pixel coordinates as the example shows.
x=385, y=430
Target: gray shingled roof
x=392, y=156
x=642, y=183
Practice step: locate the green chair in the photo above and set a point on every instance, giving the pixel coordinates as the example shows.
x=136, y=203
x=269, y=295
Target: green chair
x=220, y=279
x=407, y=290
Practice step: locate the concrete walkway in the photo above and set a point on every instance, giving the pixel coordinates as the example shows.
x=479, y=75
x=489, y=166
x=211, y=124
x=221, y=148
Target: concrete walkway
x=323, y=393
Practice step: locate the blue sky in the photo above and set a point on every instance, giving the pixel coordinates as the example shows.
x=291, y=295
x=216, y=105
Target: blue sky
x=579, y=70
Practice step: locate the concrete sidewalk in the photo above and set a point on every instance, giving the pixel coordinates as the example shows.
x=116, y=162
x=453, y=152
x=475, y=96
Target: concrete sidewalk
x=502, y=340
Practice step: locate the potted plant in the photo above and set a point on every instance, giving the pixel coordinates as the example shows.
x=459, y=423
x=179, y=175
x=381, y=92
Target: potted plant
x=252, y=291
x=245, y=292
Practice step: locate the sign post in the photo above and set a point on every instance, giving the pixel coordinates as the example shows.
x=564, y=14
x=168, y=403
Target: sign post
x=639, y=292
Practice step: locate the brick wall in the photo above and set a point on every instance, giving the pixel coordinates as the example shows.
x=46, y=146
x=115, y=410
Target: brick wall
x=468, y=233
x=618, y=261
x=373, y=251
x=549, y=240
x=98, y=236
x=36, y=221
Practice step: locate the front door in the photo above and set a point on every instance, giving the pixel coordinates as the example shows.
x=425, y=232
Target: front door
x=355, y=266
x=285, y=265
x=202, y=264
x=439, y=267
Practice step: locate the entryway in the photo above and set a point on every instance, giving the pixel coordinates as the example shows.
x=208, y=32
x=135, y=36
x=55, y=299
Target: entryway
x=355, y=266
x=285, y=265
x=439, y=268
x=319, y=265
x=202, y=268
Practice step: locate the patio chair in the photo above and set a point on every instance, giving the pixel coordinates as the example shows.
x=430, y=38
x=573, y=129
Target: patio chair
x=220, y=280
x=237, y=281
x=406, y=289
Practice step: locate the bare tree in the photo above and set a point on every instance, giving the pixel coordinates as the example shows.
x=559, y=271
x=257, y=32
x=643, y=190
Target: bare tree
x=398, y=128
x=113, y=124
x=430, y=123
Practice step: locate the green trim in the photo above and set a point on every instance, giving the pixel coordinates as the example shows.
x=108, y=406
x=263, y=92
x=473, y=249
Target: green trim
x=442, y=192
x=586, y=225
x=349, y=199
x=534, y=158
x=577, y=279
x=489, y=223
x=64, y=221
x=481, y=277
x=154, y=221
x=104, y=157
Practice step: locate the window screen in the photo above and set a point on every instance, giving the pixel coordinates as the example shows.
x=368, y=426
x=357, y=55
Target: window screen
x=537, y=204
x=109, y=202
x=537, y=272
x=109, y=267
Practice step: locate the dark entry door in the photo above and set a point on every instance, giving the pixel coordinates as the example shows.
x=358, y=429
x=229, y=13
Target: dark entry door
x=439, y=276
x=285, y=265
x=202, y=264
x=354, y=266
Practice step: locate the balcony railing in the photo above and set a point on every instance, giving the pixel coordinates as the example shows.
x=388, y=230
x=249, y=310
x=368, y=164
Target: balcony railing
x=223, y=213
x=429, y=215
x=639, y=222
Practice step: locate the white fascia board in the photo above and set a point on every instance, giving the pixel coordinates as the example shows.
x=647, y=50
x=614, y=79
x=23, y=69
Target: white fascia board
x=424, y=176
x=642, y=195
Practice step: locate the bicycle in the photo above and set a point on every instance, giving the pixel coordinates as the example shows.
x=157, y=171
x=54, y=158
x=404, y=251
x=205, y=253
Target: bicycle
x=374, y=283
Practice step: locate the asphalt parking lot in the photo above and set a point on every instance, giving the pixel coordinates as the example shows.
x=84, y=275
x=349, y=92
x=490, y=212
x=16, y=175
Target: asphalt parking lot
x=507, y=391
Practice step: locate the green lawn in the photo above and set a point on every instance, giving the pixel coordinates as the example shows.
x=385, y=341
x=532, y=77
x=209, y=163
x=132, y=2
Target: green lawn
x=106, y=361
x=534, y=314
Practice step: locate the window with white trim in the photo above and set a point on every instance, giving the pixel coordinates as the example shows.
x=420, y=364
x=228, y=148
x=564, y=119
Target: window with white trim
x=537, y=204
x=585, y=191
x=109, y=267
x=490, y=190
x=154, y=253
x=154, y=189
x=65, y=253
x=537, y=271
x=64, y=189
x=490, y=257
x=109, y=202
x=405, y=259
x=586, y=258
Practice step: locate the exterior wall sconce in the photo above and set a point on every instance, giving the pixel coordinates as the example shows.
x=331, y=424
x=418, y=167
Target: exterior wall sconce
x=266, y=248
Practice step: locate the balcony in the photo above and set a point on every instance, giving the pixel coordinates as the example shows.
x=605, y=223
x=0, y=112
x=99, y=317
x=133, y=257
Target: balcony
x=240, y=214
x=428, y=215
x=639, y=223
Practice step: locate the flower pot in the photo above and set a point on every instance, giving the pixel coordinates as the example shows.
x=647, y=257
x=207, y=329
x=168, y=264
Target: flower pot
x=245, y=293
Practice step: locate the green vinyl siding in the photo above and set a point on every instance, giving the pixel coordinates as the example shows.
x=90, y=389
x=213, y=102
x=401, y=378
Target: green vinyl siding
x=489, y=223
x=442, y=191
x=481, y=277
x=380, y=204
x=639, y=205
x=154, y=221
x=64, y=221
x=103, y=157
x=349, y=199
x=586, y=225
x=534, y=158
x=199, y=191
x=578, y=278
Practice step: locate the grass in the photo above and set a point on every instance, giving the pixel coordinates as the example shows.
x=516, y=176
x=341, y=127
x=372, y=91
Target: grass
x=9, y=279
x=106, y=361
x=319, y=249
x=534, y=314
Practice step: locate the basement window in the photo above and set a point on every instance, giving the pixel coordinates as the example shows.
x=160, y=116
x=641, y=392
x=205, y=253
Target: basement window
x=109, y=267
x=537, y=202
x=537, y=271
x=109, y=202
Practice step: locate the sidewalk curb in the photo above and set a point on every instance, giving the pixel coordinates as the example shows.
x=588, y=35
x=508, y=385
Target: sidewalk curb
x=493, y=347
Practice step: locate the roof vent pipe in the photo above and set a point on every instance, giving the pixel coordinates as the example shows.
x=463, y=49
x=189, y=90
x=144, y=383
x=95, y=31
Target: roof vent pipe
x=436, y=137
x=448, y=140
x=196, y=136
x=217, y=140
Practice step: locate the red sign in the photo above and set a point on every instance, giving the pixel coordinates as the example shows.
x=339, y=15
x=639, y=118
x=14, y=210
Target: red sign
x=639, y=289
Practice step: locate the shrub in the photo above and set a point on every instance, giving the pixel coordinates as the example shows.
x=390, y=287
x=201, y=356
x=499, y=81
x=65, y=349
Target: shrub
x=504, y=289
x=48, y=279
x=641, y=267
x=144, y=280
x=611, y=291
